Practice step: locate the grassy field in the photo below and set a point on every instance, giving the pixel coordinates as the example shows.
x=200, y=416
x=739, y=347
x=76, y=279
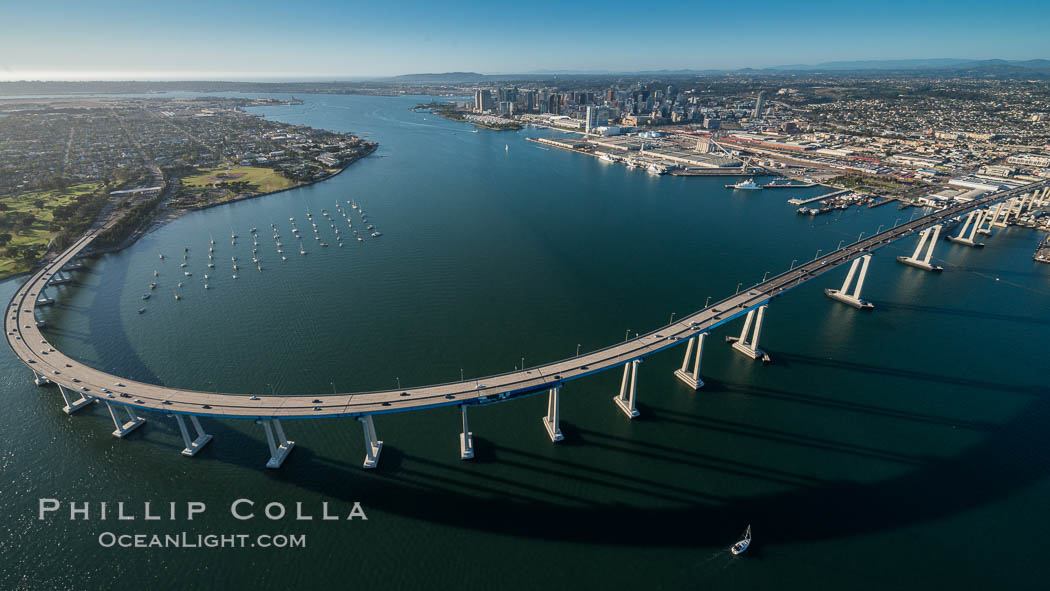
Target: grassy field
x=39, y=205
x=261, y=180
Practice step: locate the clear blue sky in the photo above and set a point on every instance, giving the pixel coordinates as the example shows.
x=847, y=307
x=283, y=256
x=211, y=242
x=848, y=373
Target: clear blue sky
x=244, y=40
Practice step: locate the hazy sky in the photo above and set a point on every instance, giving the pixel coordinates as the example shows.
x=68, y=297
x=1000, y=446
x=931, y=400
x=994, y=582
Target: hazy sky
x=320, y=39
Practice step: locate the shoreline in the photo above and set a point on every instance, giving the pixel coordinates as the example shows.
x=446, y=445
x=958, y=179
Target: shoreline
x=169, y=215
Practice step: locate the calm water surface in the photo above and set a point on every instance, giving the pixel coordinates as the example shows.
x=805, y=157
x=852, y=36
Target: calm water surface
x=903, y=447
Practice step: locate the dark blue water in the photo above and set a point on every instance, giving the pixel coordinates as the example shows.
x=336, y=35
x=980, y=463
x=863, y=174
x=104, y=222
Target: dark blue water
x=901, y=447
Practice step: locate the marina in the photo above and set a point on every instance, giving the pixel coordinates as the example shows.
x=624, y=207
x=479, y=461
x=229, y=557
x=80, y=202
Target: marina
x=256, y=258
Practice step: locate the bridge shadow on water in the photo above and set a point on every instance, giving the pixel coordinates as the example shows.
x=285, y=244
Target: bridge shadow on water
x=787, y=359
x=511, y=498
x=979, y=314
x=518, y=490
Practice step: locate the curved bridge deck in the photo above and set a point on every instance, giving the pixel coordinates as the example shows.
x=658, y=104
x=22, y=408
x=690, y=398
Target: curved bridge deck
x=32, y=347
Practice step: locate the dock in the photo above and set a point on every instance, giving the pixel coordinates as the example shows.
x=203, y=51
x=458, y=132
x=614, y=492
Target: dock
x=715, y=172
x=883, y=202
x=797, y=201
x=776, y=185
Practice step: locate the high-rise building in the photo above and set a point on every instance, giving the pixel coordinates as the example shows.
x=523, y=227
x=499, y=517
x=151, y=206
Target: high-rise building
x=757, y=114
x=482, y=100
x=592, y=119
x=529, y=100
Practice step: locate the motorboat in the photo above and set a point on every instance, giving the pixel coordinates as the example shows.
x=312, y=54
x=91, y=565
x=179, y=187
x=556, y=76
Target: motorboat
x=748, y=185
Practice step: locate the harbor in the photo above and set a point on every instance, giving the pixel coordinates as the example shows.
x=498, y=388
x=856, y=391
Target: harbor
x=638, y=154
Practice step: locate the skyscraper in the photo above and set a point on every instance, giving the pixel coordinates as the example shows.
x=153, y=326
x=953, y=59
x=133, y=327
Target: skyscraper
x=757, y=114
x=482, y=100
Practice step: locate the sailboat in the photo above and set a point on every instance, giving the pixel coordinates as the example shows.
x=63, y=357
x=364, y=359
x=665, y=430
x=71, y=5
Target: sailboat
x=739, y=547
x=506, y=147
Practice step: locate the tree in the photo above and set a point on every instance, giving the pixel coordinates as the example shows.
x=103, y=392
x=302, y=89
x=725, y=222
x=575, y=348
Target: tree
x=28, y=220
x=5, y=238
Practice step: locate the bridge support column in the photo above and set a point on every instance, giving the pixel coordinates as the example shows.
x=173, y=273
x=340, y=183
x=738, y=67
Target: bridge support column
x=692, y=379
x=1003, y=209
x=843, y=295
x=968, y=232
x=1023, y=203
x=466, y=438
x=40, y=380
x=625, y=400
x=372, y=445
x=278, y=452
x=750, y=347
x=927, y=236
x=59, y=278
x=73, y=406
x=42, y=299
x=551, y=421
x=192, y=447
x=985, y=226
x=122, y=429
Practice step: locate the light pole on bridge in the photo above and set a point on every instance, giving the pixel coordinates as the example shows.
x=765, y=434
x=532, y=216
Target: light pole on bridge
x=398, y=382
x=879, y=229
x=817, y=256
x=840, y=244
x=895, y=222
x=738, y=286
x=859, y=236
x=626, y=335
x=764, y=277
x=793, y=261
x=577, y=349
x=708, y=301
x=672, y=319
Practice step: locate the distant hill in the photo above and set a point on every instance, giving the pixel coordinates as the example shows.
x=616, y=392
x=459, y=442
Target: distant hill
x=956, y=65
x=910, y=64
x=443, y=78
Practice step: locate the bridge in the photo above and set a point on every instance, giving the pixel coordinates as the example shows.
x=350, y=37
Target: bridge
x=127, y=400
